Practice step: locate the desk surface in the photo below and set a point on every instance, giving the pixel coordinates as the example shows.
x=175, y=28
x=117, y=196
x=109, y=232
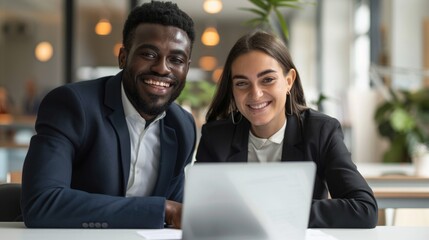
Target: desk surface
x=15, y=231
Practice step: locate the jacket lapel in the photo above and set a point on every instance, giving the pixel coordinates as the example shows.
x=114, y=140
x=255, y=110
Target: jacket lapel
x=167, y=162
x=113, y=100
x=239, y=146
x=292, y=141
x=292, y=144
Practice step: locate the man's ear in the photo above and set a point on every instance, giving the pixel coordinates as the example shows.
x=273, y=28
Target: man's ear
x=122, y=58
x=189, y=65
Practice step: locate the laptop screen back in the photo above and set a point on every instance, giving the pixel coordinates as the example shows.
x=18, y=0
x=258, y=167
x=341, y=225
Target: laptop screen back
x=247, y=200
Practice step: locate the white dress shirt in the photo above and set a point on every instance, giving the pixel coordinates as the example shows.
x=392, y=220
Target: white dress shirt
x=266, y=150
x=145, y=150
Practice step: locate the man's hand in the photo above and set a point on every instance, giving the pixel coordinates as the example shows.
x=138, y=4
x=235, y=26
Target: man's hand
x=173, y=214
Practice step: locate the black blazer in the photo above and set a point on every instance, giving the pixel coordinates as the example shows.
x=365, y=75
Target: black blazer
x=314, y=137
x=77, y=166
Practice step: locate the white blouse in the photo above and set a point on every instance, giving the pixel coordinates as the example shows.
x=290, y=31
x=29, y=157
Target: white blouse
x=266, y=150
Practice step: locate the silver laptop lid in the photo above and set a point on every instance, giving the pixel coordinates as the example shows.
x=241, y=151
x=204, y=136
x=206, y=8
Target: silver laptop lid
x=247, y=200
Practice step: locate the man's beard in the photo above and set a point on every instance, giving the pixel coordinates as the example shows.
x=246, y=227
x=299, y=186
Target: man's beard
x=147, y=106
x=152, y=109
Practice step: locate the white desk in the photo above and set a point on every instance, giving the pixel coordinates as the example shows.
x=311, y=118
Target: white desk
x=380, y=233
x=17, y=231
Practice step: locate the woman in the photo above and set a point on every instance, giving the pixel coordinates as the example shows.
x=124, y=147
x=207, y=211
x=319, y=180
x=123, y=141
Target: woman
x=259, y=114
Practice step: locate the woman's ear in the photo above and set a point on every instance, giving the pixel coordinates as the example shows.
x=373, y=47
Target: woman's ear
x=290, y=77
x=122, y=58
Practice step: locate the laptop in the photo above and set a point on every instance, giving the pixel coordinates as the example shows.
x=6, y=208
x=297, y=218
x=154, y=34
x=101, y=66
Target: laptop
x=234, y=201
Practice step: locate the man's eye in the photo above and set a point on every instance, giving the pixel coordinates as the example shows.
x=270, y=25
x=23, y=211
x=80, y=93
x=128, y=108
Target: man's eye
x=148, y=54
x=177, y=60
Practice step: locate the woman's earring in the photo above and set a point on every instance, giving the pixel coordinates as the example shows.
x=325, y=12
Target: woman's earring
x=289, y=101
x=234, y=111
x=233, y=117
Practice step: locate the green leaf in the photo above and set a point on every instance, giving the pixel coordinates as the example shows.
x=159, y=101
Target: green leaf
x=404, y=120
x=282, y=23
x=383, y=111
x=274, y=2
x=264, y=10
x=289, y=5
x=260, y=4
x=398, y=151
x=197, y=94
x=256, y=11
x=256, y=21
x=401, y=120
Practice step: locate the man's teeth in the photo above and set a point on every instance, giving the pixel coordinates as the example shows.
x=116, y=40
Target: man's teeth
x=259, y=106
x=157, y=83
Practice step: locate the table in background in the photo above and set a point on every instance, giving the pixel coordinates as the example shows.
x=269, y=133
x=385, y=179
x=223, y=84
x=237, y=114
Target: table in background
x=15, y=135
x=395, y=185
x=400, y=191
x=397, y=190
x=17, y=231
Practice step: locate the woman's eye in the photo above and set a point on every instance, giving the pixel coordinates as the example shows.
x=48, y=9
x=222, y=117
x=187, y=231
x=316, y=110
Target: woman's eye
x=268, y=79
x=241, y=84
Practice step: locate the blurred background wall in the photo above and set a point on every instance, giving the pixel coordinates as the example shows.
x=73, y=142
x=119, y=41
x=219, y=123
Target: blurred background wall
x=335, y=44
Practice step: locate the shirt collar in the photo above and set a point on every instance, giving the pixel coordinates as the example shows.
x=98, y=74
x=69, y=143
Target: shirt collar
x=276, y=138
x=279, y=135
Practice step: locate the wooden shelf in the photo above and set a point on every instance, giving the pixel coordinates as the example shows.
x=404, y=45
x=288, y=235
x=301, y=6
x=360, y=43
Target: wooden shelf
x=13, y=145
x=401, y=192
x=397, y=178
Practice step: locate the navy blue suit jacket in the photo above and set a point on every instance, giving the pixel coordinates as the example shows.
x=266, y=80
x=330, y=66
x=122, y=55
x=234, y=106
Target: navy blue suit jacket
x=313, y=137
x=76, y=170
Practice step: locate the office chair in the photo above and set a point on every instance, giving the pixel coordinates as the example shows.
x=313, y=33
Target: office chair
x=10, y=206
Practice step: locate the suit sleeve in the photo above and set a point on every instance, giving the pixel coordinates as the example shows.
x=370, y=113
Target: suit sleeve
x=352, y=204
x=48, y=200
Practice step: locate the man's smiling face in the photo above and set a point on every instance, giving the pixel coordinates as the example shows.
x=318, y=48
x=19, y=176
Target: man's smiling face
x=155, y=67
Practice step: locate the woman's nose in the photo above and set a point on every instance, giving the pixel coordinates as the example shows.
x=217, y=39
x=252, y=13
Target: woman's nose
x=256, y=92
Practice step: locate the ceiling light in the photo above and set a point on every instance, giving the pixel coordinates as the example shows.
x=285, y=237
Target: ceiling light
x=44, y=51
x=210, y=37
x=116, y=49
x=217, y=74
x=103, y=27
x=212, y=6
x=207, y=63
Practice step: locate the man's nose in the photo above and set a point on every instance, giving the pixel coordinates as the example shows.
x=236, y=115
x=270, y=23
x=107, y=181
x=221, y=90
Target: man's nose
x=161, y=66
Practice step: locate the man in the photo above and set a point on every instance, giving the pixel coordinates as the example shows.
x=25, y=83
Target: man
x=79, y=170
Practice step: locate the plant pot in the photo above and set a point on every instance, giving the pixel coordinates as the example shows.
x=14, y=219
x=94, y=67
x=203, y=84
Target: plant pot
x=421, y=161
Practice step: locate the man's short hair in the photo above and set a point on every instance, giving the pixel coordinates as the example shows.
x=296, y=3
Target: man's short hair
x=164, y=13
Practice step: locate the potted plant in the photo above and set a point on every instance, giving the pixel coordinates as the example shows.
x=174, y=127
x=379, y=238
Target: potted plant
x=269, y=15
x=404, y=121
x=196, y=96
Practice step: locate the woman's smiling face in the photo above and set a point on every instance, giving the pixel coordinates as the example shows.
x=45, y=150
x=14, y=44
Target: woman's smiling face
x=260, y=87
